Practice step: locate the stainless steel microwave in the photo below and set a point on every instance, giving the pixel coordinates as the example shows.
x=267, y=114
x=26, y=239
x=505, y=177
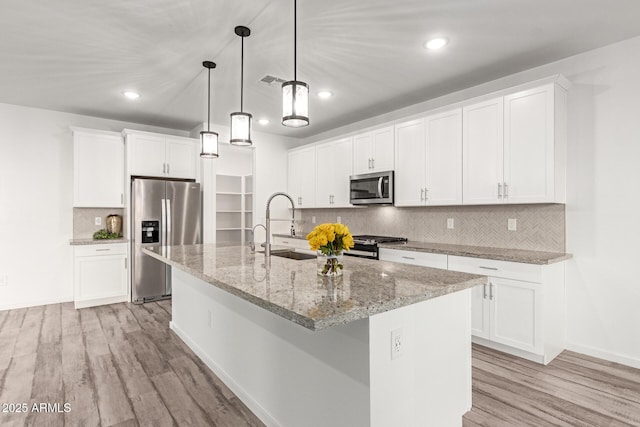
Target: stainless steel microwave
x=371, y=189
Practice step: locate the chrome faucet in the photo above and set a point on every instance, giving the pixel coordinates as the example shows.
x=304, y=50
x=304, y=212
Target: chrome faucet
x=267, y=243
x=252, y=244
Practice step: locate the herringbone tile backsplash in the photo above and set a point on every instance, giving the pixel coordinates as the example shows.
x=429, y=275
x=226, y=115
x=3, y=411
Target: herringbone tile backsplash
x=539, y=227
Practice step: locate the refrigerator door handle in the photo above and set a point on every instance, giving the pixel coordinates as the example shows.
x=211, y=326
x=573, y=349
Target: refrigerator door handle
x=169, y=236
x=163, y=223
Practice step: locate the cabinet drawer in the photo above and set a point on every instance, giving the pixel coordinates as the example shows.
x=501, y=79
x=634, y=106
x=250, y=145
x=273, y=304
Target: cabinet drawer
x=424, y=259
x=495, y=268
x=101, y=249
x=291, y=242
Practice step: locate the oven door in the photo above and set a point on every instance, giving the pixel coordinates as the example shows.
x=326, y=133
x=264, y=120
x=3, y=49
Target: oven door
x=373, y=188
x=363, y=251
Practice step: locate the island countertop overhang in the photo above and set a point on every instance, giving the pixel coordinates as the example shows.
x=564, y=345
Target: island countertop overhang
x=293, y=290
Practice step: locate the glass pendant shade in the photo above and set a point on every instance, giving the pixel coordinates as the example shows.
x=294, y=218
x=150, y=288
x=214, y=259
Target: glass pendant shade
x=295, y=104
x=240, y=129
x=208, y=144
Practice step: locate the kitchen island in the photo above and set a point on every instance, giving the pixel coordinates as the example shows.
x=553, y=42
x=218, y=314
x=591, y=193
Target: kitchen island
x=386, y=344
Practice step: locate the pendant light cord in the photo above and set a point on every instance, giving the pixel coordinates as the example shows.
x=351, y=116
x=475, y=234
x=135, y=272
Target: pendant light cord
x=209, y=102
x=242, y=75
x=295, y=40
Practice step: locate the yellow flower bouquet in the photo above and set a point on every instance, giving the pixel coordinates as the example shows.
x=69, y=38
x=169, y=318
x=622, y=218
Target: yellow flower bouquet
x=330, y=240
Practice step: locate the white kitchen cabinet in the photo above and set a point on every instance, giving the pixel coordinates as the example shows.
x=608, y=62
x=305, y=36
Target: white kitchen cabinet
x=301, y=176
x=514, y=148
x=429, y=160
x=98, y=169
x=295, y=243
x=521, y=309
x=423, y=259
x=482, y=146
x=409, y=175
x=373, y=151
x=158, y=155
x=100, y=274
x=534, y=145
x=333, y=168
x=443, y=174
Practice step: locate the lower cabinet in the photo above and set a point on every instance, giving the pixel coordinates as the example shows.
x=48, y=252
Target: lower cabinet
x=296, y=243
x=100, y=274
x=520, y=310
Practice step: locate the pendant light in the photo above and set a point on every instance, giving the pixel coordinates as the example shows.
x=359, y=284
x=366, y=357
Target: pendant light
x=241, y=122
x=295, y=94
x=208, y=139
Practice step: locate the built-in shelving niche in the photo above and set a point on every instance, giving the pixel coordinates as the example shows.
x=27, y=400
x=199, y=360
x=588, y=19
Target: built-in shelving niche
x=234, y=204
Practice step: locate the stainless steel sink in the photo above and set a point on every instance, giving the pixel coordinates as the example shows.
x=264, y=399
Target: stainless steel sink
x=292, y=255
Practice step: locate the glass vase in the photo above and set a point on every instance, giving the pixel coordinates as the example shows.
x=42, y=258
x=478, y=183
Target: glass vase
x=330, y=265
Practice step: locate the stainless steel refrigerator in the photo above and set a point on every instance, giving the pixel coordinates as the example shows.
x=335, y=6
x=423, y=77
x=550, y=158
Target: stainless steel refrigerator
x=165, y=213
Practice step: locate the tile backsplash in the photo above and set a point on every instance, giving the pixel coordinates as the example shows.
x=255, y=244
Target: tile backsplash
x=540, y=227
x=84, y=221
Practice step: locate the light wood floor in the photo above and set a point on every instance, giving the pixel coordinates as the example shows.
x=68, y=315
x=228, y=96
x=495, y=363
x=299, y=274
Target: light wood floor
x=121, y=365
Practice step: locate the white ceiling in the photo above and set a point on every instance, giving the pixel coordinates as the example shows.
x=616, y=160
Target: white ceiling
x=79, y=55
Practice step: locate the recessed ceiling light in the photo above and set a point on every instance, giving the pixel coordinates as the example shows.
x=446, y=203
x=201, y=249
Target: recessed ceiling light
x=131, y=95
x=263, y=121
x=324, y=94
x=437, y=43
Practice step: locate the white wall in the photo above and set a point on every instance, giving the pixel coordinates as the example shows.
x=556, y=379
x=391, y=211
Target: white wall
x=36, y=194
x=603, y=201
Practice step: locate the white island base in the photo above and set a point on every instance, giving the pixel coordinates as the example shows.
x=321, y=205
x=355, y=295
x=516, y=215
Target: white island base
x=340, y=376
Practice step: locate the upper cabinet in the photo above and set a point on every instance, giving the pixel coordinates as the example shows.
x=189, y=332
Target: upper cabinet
x=333, y=169
x=482, y=146
x=302, y=176
x=514, y=148
x=429, y=160
x=373, y=151
x=158, y=155
x=98, y=169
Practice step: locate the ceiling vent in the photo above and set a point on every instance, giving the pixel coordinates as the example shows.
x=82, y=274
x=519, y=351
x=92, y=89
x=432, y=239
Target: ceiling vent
x=270, y=80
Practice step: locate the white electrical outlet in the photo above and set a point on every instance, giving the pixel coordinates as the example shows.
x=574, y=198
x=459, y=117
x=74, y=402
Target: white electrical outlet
x=450, y=223
x=4, y=281
x=397, y=344
x=98, y=220
x=313, y=220
x=339, y=220
x=512, y=224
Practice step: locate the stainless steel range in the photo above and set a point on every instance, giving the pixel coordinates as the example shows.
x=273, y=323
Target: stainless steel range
x=366, y=246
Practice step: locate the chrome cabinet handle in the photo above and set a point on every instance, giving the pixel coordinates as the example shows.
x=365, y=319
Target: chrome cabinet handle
x=164, y=168
x=426, y=194
x=489, y=268
x=506, y=190
x=373, y=163
x=122, y=198
x=102, y=250
x=407, y=257
x=286, y=242
x=484, y=291
x=168, y=168
x=490, y=291
x=499, y=190
x=422, y=194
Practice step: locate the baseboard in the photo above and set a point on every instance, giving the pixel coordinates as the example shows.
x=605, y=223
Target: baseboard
x=606, y=355
x=27, y=304
x=100, y=301
x=254, y=406
x=509, y=350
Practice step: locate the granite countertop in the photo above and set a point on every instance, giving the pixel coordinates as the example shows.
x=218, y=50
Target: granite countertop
x=293, y=290
x=90, y=241
x=501, y=254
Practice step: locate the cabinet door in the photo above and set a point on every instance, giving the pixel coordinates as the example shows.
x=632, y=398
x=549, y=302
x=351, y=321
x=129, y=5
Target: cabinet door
x=515, y=314
x=98, y=178
x=342, y=170
x=97, y=277
x=409, y=163
x=302, y=177
x=325, y=181
x=444, y=158
x=529, y=146
x=181, y=158
x=480, y=312
x=382, y=149
x=146, y=155
x=482, y=148
x=362, y=153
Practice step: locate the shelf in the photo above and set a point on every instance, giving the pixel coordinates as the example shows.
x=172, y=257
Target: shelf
x=229, y=193
x=228, y=229
x=230, y=211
